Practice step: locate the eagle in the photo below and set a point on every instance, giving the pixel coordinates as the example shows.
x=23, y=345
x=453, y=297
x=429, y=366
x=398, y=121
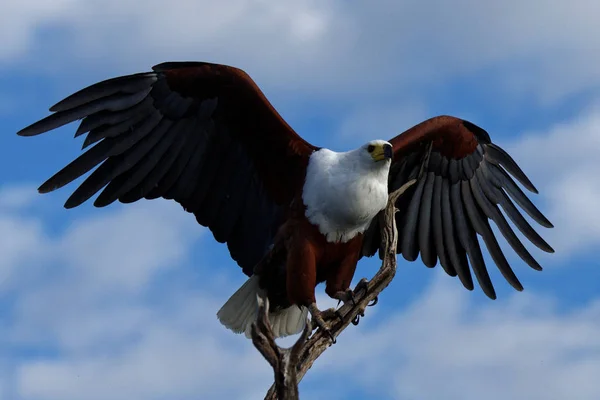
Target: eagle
x=293, y=215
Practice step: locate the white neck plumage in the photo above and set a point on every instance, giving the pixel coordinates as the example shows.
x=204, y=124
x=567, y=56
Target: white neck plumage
x=343, y=192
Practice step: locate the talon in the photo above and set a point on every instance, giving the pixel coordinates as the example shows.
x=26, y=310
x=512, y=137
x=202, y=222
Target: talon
x=373, y=302
x=356, y=319
x=345, y=296
x=362, y=284
x=328, y=332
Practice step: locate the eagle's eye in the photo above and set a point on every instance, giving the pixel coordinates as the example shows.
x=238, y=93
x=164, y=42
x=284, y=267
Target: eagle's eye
x=370, y=148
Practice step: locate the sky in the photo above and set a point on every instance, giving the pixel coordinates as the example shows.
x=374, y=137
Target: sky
x=120, y=302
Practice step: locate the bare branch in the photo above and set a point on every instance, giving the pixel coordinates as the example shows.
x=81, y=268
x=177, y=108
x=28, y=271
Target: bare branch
x=283, y=361
x=305, y=352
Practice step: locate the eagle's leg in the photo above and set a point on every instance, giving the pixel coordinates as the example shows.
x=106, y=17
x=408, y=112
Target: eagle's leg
x=301, y=278
x=338, y=283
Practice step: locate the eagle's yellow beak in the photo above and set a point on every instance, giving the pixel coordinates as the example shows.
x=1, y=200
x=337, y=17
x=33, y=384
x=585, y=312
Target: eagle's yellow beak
x=382, y=152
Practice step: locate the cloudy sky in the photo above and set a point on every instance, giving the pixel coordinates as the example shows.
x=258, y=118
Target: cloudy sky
x=119, y=303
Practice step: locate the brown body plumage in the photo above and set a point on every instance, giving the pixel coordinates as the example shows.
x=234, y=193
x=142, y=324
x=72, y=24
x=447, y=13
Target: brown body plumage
x=310, y=259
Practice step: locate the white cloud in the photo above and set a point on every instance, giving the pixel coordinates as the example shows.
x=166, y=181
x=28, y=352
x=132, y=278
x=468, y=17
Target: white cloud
x=17, y=196
x=563, y=163
x=97, y=299
x=20, y=234
x=128, y=248
x=175, y=353
x=533, y=46
x=20, y=21
x=383, y=122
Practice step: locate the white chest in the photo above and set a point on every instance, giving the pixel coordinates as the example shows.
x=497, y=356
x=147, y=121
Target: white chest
x=343, y=193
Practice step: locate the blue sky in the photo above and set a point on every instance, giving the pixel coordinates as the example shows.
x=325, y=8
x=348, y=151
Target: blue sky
x=120, y=303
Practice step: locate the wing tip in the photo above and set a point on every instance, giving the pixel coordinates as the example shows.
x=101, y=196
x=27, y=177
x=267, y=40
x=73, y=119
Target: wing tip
x=489, y=290
x=543, y=221
x=75, y=199
x=69, y=204
x=46, y=187
x=57, y=107
x=410, y=257
x=467, y=285
x=31, y=130
x=103, y=201
x=23, y=132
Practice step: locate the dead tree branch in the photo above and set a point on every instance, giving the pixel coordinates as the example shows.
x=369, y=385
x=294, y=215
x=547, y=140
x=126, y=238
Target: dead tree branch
x=283, y=361
x=290, y=365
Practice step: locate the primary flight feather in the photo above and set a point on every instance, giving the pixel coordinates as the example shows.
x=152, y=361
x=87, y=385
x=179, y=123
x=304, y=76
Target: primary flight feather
x=292, y=214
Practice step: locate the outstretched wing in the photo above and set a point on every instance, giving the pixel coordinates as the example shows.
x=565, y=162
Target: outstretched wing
x=199, y=133
x=462, y=181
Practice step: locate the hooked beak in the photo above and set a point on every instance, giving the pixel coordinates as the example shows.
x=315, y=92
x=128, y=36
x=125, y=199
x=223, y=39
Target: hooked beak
x=384, y=152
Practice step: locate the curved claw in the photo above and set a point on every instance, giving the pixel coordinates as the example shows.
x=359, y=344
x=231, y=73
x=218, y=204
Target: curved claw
x=362, y=284
x=328, y=332
x=345, y=296
x=373, y=302
x=356, y=320
x=321, y=325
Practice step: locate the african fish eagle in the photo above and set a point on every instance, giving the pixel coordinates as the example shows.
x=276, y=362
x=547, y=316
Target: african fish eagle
x=293, y=215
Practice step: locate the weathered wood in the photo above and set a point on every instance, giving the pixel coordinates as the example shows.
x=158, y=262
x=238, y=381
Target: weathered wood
x=283, y=361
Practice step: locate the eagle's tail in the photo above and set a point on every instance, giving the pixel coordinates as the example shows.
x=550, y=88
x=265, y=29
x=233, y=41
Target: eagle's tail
x=239, y=312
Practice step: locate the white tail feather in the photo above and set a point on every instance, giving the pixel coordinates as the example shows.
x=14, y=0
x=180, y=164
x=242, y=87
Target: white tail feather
x=238, y=313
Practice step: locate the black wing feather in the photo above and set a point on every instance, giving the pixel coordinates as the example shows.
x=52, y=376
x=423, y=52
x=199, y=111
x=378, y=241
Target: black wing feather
x=127, y=180
x=115, y=102
x=457, y=256
x=426, y=245
x=438, y=231
x=132, y=84
x=496, y=155
x=483, y=193
x=161, y=168
x=112, y=130
x=410, y=249
x=113, y=166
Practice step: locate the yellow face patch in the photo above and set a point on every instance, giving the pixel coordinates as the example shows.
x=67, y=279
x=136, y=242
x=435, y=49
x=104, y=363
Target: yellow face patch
x=380, y=151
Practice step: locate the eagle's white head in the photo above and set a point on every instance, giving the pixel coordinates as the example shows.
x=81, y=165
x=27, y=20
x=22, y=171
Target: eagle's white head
x=376, y=152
